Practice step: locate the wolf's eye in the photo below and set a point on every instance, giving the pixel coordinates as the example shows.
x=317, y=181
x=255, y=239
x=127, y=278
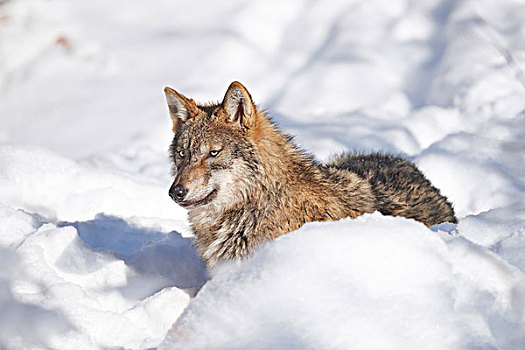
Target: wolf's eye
x=214, y=152
x=181, y=153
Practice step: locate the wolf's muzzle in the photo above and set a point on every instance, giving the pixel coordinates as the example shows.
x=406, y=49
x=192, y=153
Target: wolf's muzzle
x=177, y=193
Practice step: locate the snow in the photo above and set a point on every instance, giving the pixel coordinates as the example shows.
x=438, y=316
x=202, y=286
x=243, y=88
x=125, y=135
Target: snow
x=96, y=255
x=330, y=285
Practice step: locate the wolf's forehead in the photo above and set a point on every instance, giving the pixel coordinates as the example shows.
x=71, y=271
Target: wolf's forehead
x=204, y=132
x=191, y=136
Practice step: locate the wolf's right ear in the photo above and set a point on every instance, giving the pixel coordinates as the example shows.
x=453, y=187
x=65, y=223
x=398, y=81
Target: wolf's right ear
x=181, y=107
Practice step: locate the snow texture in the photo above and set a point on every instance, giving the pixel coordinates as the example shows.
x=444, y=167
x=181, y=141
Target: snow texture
x=96, y=255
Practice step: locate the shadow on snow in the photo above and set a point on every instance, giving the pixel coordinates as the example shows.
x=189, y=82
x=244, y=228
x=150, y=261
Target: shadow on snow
x=158, y=259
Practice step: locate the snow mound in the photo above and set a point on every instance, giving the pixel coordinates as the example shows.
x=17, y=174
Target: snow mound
x=78, y=289
x=94, y=283
x=371, y=283
x=43, y=182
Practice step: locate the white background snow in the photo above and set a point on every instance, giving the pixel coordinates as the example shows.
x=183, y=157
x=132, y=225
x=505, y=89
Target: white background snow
x=94, y=254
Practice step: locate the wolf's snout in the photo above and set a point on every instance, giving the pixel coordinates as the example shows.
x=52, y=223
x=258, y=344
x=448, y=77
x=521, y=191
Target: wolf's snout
x=177, y=193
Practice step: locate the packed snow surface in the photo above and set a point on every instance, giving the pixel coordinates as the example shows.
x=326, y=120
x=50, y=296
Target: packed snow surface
x=94, y=254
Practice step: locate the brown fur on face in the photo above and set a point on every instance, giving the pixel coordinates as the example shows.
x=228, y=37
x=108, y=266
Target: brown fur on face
x=245, y=183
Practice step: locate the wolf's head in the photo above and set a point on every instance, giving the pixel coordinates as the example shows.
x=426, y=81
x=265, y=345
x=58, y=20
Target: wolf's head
x=213, y=150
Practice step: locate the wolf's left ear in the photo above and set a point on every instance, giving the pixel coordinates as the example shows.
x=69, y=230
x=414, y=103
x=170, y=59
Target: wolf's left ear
x=181, y=107
x=238, y=105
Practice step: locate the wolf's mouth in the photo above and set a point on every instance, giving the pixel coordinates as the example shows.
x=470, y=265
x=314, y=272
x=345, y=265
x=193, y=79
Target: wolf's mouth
x=196, y=202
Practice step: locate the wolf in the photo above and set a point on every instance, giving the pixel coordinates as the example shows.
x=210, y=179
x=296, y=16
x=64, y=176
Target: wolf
x=244, y=182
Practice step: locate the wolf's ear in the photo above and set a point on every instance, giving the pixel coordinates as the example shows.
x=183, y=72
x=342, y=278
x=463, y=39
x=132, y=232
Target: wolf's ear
x=181, y=107
x=238, y=105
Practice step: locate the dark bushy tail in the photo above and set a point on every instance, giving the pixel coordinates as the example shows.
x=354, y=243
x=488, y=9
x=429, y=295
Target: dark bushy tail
x=400, y=188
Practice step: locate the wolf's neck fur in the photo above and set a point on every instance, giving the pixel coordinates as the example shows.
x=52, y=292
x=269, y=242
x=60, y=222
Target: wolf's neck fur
x=289, y=189
x=298, y=182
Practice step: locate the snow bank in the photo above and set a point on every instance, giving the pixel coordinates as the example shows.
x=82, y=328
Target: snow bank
x=104, y=282
x=371, y=283
x=56, y=187
x=75, y=293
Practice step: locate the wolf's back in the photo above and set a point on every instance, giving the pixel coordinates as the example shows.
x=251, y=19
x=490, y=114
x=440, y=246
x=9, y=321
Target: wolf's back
x=399, y=187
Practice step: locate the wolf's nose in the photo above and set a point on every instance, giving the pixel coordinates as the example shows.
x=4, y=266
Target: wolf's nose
x=177, y=193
